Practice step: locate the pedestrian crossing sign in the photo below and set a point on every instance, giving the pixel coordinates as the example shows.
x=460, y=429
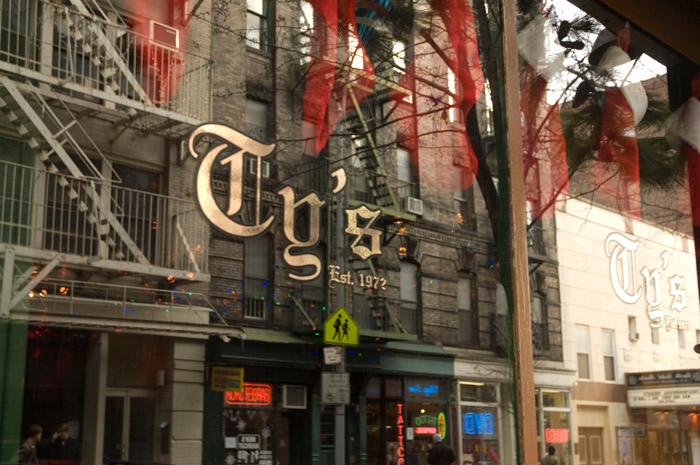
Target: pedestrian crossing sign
x=340, y=328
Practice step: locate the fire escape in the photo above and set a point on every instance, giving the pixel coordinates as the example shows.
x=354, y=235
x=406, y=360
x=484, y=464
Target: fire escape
x=61, y=65
x=372, y=185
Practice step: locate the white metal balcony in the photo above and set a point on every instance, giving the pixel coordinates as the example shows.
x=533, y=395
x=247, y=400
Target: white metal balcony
x=51, y=211
x=72, y=48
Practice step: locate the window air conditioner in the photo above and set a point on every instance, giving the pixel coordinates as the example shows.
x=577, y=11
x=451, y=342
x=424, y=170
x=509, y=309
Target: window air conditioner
x=253, y=167
x=413, y=205
x=165, y=35
x=634, y=337
x=293, y=397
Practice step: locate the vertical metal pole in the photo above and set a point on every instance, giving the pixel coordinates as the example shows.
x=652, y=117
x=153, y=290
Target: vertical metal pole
x=340, y=298
x=526, y=426
x=7, y=282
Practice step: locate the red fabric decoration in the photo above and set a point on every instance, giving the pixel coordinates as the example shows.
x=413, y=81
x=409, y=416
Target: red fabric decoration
x=162, y=68
x=458, y=18
x=544, y=147
x=326, y=78
x=320, y=75
x=421, y=112
x=616, y=169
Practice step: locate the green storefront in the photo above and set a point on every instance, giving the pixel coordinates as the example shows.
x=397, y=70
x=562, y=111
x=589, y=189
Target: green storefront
x=399, y=397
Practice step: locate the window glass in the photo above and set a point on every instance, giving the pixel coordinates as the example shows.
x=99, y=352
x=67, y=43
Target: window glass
x=257, y=119
x=409, y=291
x=256, y=6
x=582, y=349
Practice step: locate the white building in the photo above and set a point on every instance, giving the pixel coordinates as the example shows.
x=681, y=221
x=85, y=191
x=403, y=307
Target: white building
x=629, y=301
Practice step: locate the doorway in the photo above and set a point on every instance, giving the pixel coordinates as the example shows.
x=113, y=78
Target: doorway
x=591, y=446
x=129, y=433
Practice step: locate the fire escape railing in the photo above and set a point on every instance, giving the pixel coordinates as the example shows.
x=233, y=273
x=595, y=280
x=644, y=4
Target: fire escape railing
x=72, y=47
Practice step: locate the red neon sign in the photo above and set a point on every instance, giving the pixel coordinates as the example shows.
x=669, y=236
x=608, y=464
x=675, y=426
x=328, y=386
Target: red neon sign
x=399, y=426
x=253, y=394
x=425, y=430
x=556, y=435
x=442, y=424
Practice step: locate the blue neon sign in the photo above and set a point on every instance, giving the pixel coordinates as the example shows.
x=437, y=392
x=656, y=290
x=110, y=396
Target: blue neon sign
x=478, y=423
x=427, y=391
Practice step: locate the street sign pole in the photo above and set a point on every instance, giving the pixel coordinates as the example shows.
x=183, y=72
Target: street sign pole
x=340, y=302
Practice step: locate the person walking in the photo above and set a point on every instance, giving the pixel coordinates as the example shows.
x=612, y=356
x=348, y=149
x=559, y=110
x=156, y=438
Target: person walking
x=65, y=450
x=27, y=450
x=440, y=453
x=550, y=459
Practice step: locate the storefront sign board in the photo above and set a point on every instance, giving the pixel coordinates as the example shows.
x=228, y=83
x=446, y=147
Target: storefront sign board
x=341, y=328
x=333, y=355
x=663, y=396
x=663, y=378
x=335, y=388
x=255, y=395
x=226, y=379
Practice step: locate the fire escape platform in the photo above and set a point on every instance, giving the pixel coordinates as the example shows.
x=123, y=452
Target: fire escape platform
x=42, y=256
x=388, y=212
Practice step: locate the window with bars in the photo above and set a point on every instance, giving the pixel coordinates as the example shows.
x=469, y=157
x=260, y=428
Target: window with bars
x=256, y=283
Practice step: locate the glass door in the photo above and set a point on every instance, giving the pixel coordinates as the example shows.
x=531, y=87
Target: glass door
x=129, y=425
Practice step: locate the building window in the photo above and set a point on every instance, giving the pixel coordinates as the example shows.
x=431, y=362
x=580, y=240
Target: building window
x=135, y=199
x=655, y=336
x=535, y=234
x=583, y=350
x=500, y=329
x=256, y=24
x=554, y=423
x=478, y=417
x=257, y=119
x=256, y=278
x=405, y=174
x=408, y=312
x=462, y=200
x=609, y=354
x=632, y=328
x=468, y=316
x=540, y=335
x=452, y=87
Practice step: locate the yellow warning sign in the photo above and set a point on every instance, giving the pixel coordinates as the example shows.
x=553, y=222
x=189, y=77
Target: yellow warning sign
x=340, y=328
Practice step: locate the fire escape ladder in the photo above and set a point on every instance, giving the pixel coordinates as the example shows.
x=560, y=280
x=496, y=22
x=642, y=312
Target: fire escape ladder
x=303, y=311
x=32, y=126
x=371, y=160
x=108, y=58
x=377, y=304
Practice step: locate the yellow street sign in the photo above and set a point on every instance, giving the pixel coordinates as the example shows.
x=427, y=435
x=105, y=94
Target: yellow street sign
x=340, y=328
x=227, y=379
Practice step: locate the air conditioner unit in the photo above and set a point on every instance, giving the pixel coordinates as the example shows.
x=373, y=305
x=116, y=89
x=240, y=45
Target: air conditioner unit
x=293, y=397
x=165, y=35
x=253, y=167
x=413, y=205
x=634, y=337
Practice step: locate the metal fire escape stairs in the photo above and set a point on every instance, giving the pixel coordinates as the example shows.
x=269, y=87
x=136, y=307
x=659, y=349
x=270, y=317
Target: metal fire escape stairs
x=43, y=130
x=105, y=56
x=360, y=126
